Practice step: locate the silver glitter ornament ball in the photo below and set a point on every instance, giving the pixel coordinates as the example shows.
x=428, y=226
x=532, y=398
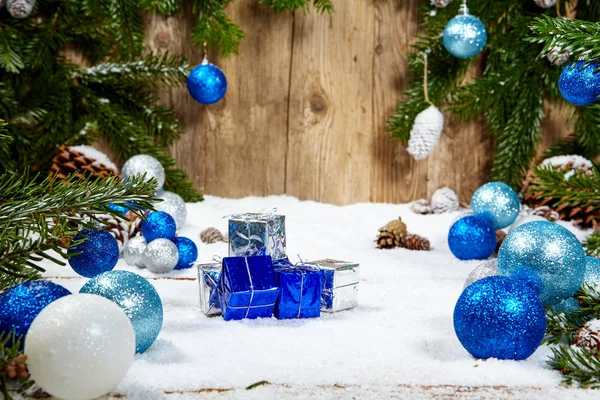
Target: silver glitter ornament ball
x=20, y=8
x=133, y=253
x=440, y=3
x=161, y=256
x=545, y=3
x=144, y=164
x=173, y=205
x=483, y=270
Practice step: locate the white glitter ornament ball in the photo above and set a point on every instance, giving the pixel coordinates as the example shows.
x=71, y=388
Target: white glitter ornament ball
x=133, y=252
x=545, y=3
x=524, y=220
x=161, y=256
x=144, y=164
x=173, y=205
x=80, y=347
x=483, y=270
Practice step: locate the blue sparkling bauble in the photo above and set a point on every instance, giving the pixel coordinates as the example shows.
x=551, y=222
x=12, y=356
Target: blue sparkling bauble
x=99, y=253
x=578, y=85
x=20, y=304
x=158, y=225
x=567, y=306
x=117, y=208
x=188, y=252
x=472, y=238
x=592, y=271
x=548, y=251
x=465, y=36
x=499, y=317
x=138, y=299
x=500, y=200
x=207, y=83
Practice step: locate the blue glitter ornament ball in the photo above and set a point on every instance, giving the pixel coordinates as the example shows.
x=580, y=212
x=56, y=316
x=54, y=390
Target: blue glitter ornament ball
x=550, y=252
x=20, y=304
x=579, y=85
x=472, y=238
x=158, y=225
x=592, y=271
x=138, y=299
x=499, y=317
x=465, y=36
x=500, y=200
x=188, y=252
x=99, y=253
x=207, y=83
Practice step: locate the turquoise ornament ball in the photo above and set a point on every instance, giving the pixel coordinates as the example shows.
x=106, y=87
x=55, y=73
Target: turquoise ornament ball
x=580, y=85
x=206, y=83
x=592, y=271
x=499, y=200
x=465, y=36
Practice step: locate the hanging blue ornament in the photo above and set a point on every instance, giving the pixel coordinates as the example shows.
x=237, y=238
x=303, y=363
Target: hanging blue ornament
x=549, y=252
x=472, y=237
x=188, y=252
x=592, y=271
x=465, y=35
x=99, y=253
x=207, y=83
x=499, y=317
x=20, y=304
x=138, y=299
x=567, y=306
x=158, y=225
x=580, y=85
x=500, y=200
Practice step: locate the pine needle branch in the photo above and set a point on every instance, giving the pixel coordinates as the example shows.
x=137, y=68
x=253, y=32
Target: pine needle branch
x=11, y=356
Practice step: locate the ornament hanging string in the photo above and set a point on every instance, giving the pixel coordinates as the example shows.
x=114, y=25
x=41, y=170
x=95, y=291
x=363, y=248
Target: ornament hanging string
x=425, y=85
x=558, y=9
x=463, y=8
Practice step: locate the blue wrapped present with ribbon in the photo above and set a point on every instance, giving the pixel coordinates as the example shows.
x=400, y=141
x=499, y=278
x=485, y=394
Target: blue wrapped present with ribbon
x=248, y=287
x=208, y=278
x=255, y=234
x=299, y=290
x=339, y=284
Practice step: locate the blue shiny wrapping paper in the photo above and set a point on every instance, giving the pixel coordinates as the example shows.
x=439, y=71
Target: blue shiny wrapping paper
x=299, y=291
x=257, y=235
x=339, y=284
x=209, y=276
x=248, y=288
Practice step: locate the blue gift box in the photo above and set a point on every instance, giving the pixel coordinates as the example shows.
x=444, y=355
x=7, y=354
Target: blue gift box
x=254, y=234
x=299, y=291
x=208, y=277
x=248, y=287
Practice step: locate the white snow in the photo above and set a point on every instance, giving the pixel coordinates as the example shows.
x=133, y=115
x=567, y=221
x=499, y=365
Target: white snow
x=559, y=161
x=97, y=155
x=399, y=342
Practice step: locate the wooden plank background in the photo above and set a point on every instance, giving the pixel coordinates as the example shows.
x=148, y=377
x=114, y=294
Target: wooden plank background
x=306, y=107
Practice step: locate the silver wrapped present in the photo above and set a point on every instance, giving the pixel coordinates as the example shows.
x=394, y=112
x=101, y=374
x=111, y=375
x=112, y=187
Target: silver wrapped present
x=339, y=284
x=254, y=234
x=208, y=278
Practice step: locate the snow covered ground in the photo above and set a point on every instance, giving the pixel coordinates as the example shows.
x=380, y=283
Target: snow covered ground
x=399, y=342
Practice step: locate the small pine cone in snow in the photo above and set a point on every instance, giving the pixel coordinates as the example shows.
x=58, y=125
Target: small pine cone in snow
x=440, y=3
x=82, y=161
x=415, y=242
x=444, y=200
x=16, y=368
x=122, y=229
x=588, y=337
x=421, y=206
x=391, y=234
x=425, y=133
x=20, y=8
x=211, y=235
x=500, y=236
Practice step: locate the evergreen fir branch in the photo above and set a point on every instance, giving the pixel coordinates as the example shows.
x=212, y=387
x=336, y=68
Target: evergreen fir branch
x=10, y=350
x=576, y=365
x=580, y=190
x=568, y=146
x=587, y=129
x=10, y=59
x=215, y=28
x=163, y=7
x=127, y=27
x=592, y=244
x=321, y=6
x=561, y=327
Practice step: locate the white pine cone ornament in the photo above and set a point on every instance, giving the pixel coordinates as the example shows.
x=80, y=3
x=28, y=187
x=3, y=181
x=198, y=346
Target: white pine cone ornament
x=444, y=200
x=421, y=206
x=425, y=133
x=558, y=57
x=121, y=229
x=588, y=337
x=440, y=3
x=545, y=3
x=20, y=8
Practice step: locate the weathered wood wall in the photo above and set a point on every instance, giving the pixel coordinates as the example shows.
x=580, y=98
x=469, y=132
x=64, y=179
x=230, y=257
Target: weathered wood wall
x=305, y=112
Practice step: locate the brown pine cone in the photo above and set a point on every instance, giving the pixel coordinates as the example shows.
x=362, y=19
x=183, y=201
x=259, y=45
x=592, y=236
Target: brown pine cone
x=500, y=236
x=415, y=242
x=211, y=235
x=391, y=234
x=123, y=229
x=588, y=337
x=16, y=368
x=546, y=212
x=81, y=161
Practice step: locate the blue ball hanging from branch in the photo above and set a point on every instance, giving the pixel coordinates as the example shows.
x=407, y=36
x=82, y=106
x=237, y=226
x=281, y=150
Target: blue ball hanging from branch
x=579, y=83
x=206, y=83
x=465, y=35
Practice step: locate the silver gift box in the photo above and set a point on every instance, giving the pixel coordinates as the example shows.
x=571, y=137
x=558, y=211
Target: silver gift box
x=208, y=279
x=253, y=234
x=339, y=284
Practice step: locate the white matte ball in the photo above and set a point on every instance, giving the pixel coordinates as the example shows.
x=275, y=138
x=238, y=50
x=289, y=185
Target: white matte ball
x=80, y=347
x=524, y=220
x=161, y=256
x=133, y=253
x=144, y=164
x=173, y=205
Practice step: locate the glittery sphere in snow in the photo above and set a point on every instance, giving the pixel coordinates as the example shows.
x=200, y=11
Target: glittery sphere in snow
x=483, y=270
x=207, y=83
x=161, y=256
x=465, y=36
x=80, y=347
x=136, y=297
x=524, y=220
x=188, y=252
x=499, y=317
x=173, y=205
x=566, y=306
x=99, y=253
x=20, y=8
x=592, y=271
x=547, y=251
x=425, y=133
x=20, y=304
x=498, y=199
x=440, y=3
x=133, y=253
x=144, y=164
x=579, y=85
x=472, y=238
x=545, y=3
x=158, y=225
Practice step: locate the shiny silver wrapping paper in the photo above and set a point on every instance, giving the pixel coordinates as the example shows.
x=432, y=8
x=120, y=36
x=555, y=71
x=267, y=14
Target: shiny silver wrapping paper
x=340, y=284
x=208, y=279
